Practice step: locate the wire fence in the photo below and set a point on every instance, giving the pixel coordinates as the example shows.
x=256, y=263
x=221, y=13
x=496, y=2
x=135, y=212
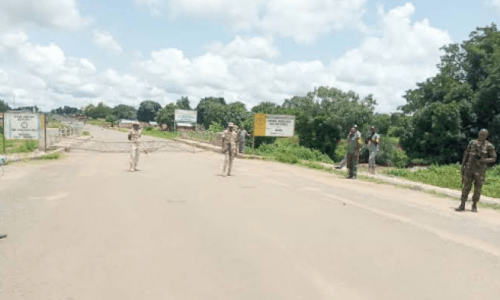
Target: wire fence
x=124, y=147
x=204, y=136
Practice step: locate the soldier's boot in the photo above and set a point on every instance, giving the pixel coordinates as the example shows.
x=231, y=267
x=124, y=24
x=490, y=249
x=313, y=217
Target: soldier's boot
x=350, y=174
x=462, y=205
x=474, y=207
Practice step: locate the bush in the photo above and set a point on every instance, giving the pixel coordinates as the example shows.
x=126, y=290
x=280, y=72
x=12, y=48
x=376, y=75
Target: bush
x=341, y=150
x=55, y=155
x=286, y=156
x=215, y=127
x=291, y=145
x=27, y=146
x=85, y=133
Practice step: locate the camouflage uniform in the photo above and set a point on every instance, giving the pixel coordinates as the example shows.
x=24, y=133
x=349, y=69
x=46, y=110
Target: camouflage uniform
x=353, y=154
x=135, y=136
x=229, y=149
x=473, y=170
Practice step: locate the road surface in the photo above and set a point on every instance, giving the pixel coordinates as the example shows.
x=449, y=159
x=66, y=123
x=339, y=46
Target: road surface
x=85, y=228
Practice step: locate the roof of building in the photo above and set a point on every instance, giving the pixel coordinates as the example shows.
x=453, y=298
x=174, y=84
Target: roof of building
x=127, y=121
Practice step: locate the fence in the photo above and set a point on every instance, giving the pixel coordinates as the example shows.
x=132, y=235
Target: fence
x=205, y=136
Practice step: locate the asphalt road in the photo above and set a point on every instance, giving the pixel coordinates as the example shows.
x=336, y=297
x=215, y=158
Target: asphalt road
x=85, y=228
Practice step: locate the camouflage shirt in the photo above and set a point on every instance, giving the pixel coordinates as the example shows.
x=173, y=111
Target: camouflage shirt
x=229, y=137
x=135, y=135
x=477, y=151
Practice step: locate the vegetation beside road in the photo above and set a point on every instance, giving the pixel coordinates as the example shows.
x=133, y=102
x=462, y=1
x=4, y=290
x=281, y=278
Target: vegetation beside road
x=155, y=132
x=18, y=146
x=449, y=176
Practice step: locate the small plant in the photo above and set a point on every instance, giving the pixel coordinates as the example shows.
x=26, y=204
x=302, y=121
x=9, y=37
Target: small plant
x=286, y=156
x=51, y=156
x=85, y=133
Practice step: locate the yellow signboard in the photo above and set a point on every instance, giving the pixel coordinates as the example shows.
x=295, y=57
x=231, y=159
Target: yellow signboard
x=274, y=125
x=259, y=126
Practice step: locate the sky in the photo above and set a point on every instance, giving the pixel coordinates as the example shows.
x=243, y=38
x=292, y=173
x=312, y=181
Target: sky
x=73, y=52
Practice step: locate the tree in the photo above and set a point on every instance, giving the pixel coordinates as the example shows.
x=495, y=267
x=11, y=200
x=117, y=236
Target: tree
x=123, y=111
x=183, y=103
x=112, y=120
x=465, y=95
x=4, y=106
x=166, y=115
x=204, y=105
x=147, y=111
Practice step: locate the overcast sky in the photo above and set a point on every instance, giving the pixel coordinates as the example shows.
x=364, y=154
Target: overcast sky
x=68, y=52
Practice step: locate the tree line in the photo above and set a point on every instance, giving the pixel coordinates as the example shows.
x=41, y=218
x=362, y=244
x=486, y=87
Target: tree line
x=440, y=117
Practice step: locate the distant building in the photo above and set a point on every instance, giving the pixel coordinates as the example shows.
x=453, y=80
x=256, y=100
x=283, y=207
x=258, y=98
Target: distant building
x=126, y=124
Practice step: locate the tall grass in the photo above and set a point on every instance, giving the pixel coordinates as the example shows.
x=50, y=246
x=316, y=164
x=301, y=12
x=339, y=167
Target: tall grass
x=288, y=150
x=449, y=176
x=18, y=146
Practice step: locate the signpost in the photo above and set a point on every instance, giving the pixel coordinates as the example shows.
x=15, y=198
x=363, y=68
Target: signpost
x=274, y=125
x=185, y=116
x=24, y=126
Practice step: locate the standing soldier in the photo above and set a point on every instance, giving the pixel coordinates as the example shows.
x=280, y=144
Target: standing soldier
x=372, y=141
x=353, y=152
x=242, y=135
x=229, y=148
x=134, y=136
x=344, y=161
x=478, y=154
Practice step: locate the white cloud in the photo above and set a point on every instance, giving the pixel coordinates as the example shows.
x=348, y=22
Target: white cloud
x=44, y=13
x=105, y=40
x=495, y=3
x=301, y=20
x=405, y=52
x=45, y=76
x=256, y=47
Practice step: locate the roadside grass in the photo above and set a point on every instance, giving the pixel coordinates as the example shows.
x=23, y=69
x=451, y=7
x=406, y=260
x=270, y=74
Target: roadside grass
x=18, y=146
x=155, y=132
x=86, y=133
x=288, y=150
x=54, y=124
x=97, y=122
x=51, y=156
x=449, y=176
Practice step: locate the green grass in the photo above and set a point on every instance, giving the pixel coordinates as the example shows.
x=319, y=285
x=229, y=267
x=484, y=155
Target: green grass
x=18, y=146
x=97, y=122
x=168, y=135
x=86, y=133
x=449, y=176
x=51, y=156
x=289, y=151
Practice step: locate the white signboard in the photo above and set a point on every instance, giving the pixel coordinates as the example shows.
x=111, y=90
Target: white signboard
x=277, y=125
x=22, y=126
x=185, y=116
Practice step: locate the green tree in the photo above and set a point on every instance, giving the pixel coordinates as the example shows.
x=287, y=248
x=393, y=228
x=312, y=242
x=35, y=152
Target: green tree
x=183, y=103
x=112, y=120
x=209, y=103
x=467, y=88
x=4, y=106
x=123, y=111
x=147, y=111
x=166, y=115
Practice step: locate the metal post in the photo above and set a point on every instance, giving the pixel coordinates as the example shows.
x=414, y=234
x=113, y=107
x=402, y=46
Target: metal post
x=45, y=130
x=3, y=133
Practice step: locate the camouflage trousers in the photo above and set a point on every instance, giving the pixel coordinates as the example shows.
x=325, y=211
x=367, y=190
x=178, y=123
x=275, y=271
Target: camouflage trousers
x=352, y=163
x=228, y=162
x=371, y=159
x=468, y=179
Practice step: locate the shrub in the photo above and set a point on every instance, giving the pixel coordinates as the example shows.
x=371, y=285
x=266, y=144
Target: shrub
x=55, y=155
x=85, y=133
x=286, y=156
x=215, y=127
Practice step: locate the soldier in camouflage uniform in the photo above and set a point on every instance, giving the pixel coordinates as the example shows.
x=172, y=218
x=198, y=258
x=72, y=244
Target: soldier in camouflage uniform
x=478, y=154
x=353, y=152
x=229, y=138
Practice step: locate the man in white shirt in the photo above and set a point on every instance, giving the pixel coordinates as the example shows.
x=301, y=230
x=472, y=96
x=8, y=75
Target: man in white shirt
x=134, y=136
